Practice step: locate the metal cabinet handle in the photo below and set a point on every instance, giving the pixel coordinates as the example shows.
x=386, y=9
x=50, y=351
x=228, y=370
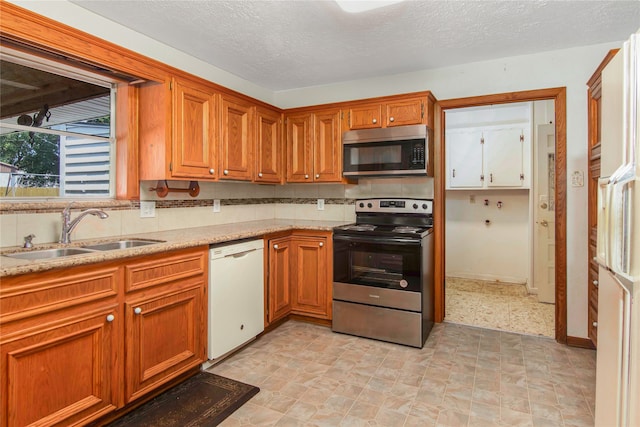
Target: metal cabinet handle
x=490, y=177
x=275, y=246
x=321, y=244
x=595, y=283
x=595, y=324
x=391, y=119
x=260, y=174
x=226, y=172
x=317, y=175
x=306, y=176
x=544, y=223
x=111, y=318
x=374, y=121
x=137, y=310
x=212, y=171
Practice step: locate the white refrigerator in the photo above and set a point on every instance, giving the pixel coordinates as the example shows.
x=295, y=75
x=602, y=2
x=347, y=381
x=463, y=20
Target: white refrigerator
x=618, y=251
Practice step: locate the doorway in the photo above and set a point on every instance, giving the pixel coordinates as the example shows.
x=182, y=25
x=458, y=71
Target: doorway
x=558, y=95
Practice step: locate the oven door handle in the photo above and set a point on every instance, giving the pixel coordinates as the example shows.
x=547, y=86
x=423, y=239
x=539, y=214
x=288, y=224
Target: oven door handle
x=376, y=239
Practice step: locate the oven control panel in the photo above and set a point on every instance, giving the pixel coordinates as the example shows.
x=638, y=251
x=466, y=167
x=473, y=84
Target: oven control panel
x=418, y=206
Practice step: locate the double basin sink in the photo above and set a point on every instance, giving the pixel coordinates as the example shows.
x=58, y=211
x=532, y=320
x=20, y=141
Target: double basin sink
x=84, y=249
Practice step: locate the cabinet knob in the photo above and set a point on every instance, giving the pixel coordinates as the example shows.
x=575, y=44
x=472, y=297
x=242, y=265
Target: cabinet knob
x=275, y=246
x=595, y=324
x=212, y=171
x=595, y=283
x=260, y=174
x=137, y=310
x=321, y=244
x=111, y=318
x=374, y=121
x=306, y=176
x=317, y=175
x=391, y=119
x=226, y=172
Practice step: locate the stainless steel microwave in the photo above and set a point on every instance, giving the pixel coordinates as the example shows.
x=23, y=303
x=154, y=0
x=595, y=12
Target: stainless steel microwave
x=394, y=151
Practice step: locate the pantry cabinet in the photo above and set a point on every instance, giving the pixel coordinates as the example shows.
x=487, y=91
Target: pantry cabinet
x=80, y=342
x=399, y=111
x=236, y=138
x=177, y=131
x=268, y=149
x=314, y=152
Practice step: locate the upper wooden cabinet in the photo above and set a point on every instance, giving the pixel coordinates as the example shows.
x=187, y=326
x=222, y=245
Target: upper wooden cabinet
x=177, y=131
x=268, y=148
x=236, y=138
x=399, y=111
x=314, y=152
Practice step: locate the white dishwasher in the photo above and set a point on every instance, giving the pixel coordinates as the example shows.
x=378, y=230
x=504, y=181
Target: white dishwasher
x=236, y=295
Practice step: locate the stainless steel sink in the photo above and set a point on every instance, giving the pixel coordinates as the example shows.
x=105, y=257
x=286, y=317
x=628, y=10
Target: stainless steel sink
x=120, y=244
x=50, y=253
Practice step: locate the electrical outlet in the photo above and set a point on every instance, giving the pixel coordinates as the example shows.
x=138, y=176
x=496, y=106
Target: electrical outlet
x=216, y=205
x=147, y=209
x=320, y=204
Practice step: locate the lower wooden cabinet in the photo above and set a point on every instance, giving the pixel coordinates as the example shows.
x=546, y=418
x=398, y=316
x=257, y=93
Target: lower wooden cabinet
x=300, y=275
x=68, y=336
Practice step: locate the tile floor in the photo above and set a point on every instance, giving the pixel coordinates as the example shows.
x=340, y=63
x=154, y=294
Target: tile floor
x=505, y=307
x=464, y=376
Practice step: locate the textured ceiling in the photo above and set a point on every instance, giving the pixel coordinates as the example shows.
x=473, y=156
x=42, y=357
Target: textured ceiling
x=283, y=45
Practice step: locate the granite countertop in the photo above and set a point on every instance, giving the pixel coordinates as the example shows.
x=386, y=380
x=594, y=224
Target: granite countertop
x=171, y=240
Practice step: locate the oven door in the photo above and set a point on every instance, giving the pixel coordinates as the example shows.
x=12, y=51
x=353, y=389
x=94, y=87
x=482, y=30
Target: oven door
x=392, y=263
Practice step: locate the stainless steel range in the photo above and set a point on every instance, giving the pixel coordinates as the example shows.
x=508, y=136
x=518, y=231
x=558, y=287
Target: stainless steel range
x=383, y=271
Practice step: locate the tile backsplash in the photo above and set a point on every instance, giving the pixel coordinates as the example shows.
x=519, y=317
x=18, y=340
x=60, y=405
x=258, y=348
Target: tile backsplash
x=239, y=202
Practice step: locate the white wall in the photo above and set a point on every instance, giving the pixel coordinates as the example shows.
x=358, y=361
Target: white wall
x=569, y=67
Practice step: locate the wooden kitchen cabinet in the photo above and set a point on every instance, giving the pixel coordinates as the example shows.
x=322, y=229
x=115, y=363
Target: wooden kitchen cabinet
x=314, y=151
x=268, y=150
x=300, y=275
x=311, y=277
x=278, y=292
x=389, y=112
x=236, y=138
x=59, y=346
x=63, y=333
x=177, y=131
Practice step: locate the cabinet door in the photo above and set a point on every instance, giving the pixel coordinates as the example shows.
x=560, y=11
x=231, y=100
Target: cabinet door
x=406, y=112
x=365, y=117
x=310, y=286
x=279, y=296
x=299, y=148
x=63, y=371
x=194, y=144
x=236, y=141
x=504, y=157
x=268, y=146
x=163, y=337
x=327, y=150
x=464, y=157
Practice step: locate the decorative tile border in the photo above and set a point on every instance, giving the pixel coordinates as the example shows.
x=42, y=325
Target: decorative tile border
x=58, y=206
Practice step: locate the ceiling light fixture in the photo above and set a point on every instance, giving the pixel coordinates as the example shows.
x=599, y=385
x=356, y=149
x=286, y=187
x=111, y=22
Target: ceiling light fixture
x=357, y=6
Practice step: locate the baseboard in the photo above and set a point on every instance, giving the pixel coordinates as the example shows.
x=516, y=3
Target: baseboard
x=506, y=280
x=580, y=342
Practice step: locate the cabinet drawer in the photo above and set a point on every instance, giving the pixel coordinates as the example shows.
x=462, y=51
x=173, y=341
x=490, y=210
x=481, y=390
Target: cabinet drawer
x=165, y=268
x=28, y=295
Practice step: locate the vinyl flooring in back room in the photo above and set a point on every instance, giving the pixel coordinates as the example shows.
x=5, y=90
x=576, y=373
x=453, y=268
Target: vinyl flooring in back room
x=464, y=376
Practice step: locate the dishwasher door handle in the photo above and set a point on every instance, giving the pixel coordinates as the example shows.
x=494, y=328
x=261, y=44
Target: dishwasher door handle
x=240, y=254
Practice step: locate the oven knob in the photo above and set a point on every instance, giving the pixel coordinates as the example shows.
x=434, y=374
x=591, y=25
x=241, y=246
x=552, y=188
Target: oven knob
x=362, y=205
x=404, y=283
x=369, y=205
x=424, y=206
x=415, y=206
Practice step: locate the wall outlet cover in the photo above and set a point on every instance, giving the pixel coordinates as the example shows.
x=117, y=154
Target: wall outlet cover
x=577, y=179
x=216, y=205
x=147, y=209
x=320, y=204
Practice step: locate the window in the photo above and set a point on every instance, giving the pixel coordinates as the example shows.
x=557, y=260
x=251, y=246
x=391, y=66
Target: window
x=56, y=130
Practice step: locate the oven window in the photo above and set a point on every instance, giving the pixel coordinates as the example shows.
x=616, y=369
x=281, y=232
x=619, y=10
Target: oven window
x=382, y=265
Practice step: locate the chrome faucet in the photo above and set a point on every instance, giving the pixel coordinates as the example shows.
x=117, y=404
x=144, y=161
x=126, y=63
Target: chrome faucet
x=68, y=225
